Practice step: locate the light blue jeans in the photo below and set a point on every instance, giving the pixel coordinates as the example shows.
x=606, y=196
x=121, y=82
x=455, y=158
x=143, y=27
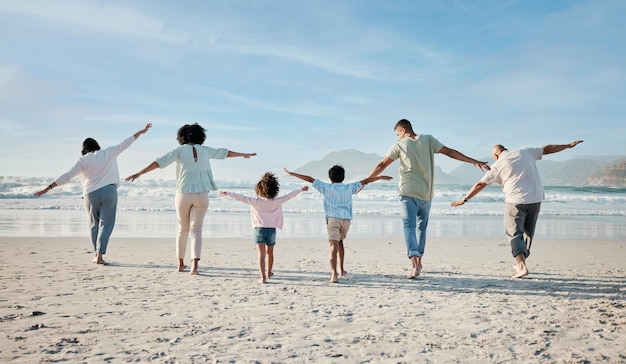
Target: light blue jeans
x=101, y=206
x=414, y=219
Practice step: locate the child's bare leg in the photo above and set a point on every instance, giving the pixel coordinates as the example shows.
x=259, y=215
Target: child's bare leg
x=261, y=249
x=194, y=267
x=340, y=255
x=333, y=260
x=270, y=261
x=181, y=265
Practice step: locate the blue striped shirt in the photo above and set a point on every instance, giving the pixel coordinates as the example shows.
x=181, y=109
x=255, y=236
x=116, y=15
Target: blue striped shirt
x=337, y=198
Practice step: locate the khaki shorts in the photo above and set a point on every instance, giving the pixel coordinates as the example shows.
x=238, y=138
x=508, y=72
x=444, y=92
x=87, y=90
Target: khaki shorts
x=337, y=228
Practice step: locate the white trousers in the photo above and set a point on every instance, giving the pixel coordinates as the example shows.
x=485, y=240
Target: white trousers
x=190, y=211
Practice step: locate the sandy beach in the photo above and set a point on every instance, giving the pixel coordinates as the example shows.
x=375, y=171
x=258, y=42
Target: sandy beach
x=56, y=306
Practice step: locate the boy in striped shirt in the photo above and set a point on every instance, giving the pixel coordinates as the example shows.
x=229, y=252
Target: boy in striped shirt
x=338, y=210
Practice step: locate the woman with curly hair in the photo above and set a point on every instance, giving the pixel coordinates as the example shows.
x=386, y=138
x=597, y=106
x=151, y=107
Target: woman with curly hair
x=194, y=180
x=267, y=215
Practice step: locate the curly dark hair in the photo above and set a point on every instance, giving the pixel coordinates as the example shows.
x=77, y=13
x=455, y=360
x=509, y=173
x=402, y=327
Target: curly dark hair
x=191, y=134
x=268, y=186
x=336, y=174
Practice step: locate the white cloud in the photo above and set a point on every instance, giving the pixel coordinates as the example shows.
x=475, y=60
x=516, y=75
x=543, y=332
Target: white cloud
x=94, y=15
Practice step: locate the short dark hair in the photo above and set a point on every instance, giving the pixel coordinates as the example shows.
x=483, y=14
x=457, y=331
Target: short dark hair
x=268, y=186
x=89, y=145
x=336, y=173
x=405, y=124
x=191, y=134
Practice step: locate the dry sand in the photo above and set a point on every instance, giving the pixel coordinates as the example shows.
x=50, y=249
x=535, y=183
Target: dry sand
x=56, y=306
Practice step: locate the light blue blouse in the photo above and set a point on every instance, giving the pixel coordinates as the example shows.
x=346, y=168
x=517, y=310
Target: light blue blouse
x=337, y=198
x=193, y=176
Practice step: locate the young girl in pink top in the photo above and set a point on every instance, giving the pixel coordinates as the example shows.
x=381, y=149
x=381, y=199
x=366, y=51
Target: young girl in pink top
x=267, y=215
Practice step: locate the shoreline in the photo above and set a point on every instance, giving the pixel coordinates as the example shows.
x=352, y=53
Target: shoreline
x=57, y=306
x=138, y=224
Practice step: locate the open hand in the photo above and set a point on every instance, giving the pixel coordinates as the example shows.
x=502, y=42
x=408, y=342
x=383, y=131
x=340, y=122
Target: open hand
x=457, y=203
x=483, y=166
x=132, y=177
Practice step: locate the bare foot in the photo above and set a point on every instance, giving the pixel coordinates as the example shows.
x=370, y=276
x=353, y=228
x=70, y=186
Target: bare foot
x=182, y=268
x=102, y=262
x=415, y=272
x=270, y=275
x=194, y=267
x=333, y=278
x=262, y=280
x=343, y=273
x=520, y=271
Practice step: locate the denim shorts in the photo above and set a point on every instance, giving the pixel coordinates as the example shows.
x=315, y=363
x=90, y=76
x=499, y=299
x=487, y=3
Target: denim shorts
x=265, y=236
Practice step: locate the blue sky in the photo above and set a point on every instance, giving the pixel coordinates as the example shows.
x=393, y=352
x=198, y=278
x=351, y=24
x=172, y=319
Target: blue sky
x=294, y=80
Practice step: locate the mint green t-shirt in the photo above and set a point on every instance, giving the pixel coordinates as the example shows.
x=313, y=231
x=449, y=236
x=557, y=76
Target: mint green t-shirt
x=193, y=176
x=417, y=165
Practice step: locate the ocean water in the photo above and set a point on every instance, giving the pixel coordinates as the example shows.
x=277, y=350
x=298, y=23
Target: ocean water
x=146, y=209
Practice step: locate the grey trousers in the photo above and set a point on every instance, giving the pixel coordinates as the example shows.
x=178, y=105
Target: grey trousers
x=101, y=206
x=519, y=225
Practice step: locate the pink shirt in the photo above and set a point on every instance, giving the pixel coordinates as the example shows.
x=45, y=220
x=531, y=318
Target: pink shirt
x=265, y=212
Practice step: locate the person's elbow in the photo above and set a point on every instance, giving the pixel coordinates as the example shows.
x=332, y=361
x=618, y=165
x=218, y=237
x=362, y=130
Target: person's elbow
x=446, y=151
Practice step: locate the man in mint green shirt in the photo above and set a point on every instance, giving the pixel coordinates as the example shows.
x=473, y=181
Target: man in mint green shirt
x=416, y=154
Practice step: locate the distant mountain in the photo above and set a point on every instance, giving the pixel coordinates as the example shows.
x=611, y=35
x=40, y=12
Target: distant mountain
x=358, y=165
x=443, y=178
x=593, y=171
x=467, y=174
x=572, y=172
x=611, y=176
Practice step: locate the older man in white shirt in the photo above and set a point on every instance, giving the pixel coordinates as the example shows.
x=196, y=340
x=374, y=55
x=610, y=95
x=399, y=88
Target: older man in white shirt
x=521, y=183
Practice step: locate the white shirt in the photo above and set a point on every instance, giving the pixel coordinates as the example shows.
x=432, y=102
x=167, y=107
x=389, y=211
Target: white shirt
x=518, y=175
x=97, y=169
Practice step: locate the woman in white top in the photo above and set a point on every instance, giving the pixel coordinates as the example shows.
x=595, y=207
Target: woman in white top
x=100, y=178
x=194, y=180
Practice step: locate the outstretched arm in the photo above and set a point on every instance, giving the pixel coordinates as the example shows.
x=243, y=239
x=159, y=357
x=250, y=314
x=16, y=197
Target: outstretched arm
x=45, y=190
x=455, y=154
x=143, y=131
x=380, y=167
x=237, y=154
x=151, y=167
x=374, y=179
x=555, y=148
x=301, y=176
x=476, y=188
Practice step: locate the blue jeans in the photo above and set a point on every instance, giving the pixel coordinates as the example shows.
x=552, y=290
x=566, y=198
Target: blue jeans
x=414, y=219
x=101, y=206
